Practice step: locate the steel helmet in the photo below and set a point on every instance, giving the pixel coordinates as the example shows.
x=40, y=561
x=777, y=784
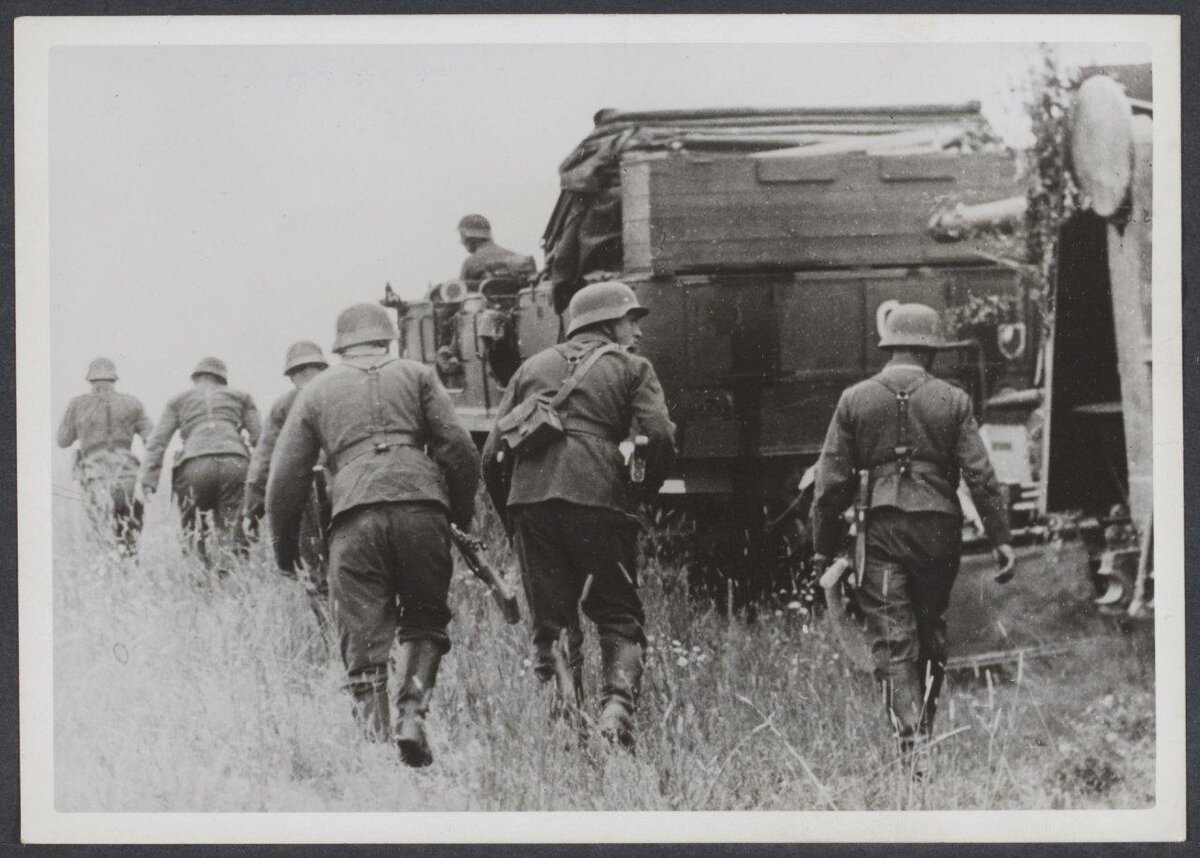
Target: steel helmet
x=363, y=323
x=602, y=302
x=303, y=353
x=911, y=326
x=474, y=226
x=101, y=369
x=212, y=366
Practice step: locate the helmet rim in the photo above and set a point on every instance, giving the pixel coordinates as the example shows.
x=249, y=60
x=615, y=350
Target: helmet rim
x=101, y=369
x=614, y=300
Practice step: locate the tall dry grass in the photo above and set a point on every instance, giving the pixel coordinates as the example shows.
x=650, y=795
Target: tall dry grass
x=177, y=692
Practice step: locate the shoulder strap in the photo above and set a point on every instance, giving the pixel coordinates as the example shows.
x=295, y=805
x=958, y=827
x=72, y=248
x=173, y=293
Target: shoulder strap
x=903, y=451
x=578, y=370
x=108, y=430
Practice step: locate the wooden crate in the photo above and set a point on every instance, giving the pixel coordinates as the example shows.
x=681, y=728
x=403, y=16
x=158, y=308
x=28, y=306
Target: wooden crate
x=685, y=213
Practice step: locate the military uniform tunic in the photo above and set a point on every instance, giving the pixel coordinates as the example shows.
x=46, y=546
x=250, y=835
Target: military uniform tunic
x=570, y=506
x=402, y=468
x=313, y=551
x=914, y=527
x=209, y=474
x=104, y=423
x=490, y=259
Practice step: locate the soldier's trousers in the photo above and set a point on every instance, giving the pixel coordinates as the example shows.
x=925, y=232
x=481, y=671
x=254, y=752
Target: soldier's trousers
x=109, y=479
x=389, y=575
x=912, y=561
x=209, y=492
x=577, y=556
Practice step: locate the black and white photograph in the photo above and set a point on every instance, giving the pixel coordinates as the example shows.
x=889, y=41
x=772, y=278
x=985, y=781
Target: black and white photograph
x=482, y=428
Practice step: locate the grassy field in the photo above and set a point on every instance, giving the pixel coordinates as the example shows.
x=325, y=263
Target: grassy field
x=174, y=692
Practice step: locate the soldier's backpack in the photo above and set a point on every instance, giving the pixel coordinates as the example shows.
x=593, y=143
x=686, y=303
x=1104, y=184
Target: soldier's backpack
x=535, y=424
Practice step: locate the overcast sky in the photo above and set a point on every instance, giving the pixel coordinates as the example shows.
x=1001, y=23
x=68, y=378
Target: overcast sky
x=230, y=200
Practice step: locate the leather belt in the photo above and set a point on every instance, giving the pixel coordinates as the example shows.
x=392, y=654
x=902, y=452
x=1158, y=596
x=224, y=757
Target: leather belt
x=380, y=442
x=924, y=467
x=583, y=426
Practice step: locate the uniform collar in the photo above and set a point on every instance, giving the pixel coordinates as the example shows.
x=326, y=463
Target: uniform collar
x=368, y=361
x=895, y=366
x=590, y=337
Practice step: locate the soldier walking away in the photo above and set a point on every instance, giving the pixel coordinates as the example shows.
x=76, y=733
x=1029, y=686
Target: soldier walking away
x=217, y=425
x=304, y=361
x=569, y=505
x=488, y=259
x=403, y=468
x=104, y=423
x=906, y=437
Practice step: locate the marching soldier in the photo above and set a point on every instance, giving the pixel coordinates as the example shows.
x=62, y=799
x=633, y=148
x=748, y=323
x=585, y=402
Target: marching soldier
x=303, y=363
x=216, y=424
x=906, y=437
x=569, y=506
x=488, y=259
x=104, y=423
x=403, y=468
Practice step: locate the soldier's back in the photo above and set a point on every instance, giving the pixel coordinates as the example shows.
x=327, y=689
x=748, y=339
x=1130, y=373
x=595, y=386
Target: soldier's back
x=106, y=419
x=492, y=260
x=366, y=395
x=933, y=418
x=371, y=416
x=210, y=421
x=587, y=467
x=935, y=409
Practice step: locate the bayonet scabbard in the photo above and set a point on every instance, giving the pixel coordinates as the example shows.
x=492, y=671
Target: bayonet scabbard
x=862, y=506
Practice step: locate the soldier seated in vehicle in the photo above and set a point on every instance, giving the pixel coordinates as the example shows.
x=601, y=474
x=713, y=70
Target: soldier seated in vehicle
x=570, y=506
x=907, y=436
x=104, y=423
x=488, y=259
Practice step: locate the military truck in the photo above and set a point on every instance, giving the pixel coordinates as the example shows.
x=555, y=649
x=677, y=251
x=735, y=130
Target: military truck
x=767, y=244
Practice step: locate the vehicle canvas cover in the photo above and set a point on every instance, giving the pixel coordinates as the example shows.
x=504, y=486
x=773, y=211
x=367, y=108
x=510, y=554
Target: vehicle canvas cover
x=587, y=230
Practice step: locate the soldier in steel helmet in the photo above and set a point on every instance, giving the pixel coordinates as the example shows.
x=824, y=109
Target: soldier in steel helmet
x=303, y=362
x=104, y=423
x=907, y=437
x=570, y=505
x=488, y=259
x=403, y=468
x=218, y=425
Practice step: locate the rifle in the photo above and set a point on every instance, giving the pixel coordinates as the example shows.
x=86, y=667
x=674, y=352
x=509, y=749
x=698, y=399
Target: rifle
x=471, y=549
x=315, y=602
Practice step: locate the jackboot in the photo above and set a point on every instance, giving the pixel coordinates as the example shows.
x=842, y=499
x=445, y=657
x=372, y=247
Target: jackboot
x=371, y=711
x=621, y=666
x=568, y=678
x=417, y=668
x=933, y=674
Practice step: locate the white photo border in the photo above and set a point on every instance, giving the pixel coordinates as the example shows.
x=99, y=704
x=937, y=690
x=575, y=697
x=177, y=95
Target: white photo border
x=40, y=822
